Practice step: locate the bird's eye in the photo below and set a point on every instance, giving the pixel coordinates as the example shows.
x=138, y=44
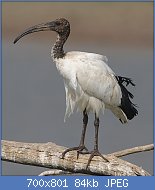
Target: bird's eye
x=58, y=23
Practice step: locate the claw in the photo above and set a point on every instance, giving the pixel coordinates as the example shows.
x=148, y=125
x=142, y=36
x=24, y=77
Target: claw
x=68, y=150
x=79, y=149
x=95, y=153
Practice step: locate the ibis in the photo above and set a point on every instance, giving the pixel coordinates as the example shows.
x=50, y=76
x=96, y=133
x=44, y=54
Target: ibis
x=90, y=85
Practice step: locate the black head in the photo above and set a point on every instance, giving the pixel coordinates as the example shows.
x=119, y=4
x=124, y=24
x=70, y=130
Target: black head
x=61, y=26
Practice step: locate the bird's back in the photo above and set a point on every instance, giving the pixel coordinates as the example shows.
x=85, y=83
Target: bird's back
x=86, y=58
x=86, y=55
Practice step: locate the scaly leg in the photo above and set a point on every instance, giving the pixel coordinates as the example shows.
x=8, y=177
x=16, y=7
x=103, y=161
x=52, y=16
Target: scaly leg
x=81, y=146
x=95, y=152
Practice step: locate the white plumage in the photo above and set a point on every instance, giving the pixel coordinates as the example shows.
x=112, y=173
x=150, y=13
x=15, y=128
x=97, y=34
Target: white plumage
x=90, y=84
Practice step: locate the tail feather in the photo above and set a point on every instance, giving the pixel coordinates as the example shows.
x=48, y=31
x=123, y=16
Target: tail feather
x=126, y=105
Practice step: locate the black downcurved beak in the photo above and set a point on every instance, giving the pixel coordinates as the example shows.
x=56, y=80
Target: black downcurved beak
x=37, y=28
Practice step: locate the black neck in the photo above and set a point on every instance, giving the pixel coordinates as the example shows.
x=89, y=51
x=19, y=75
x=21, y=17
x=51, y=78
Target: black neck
x=58, y=51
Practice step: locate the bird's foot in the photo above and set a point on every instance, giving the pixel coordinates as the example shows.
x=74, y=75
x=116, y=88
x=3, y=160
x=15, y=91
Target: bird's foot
x=79, y=150
x=95, y=152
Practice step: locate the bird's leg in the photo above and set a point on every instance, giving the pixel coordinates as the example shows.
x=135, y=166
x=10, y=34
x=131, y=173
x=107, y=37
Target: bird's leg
x=81, y=146
x=95, y=152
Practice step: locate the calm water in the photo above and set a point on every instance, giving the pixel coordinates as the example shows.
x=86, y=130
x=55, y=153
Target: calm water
x=34, y=103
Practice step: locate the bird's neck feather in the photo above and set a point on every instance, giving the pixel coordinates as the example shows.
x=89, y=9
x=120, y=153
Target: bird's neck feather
x=57, y=50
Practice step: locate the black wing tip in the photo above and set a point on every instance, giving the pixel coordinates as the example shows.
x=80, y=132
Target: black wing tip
x=125, y=80
x=126, y=105
x=129, y=109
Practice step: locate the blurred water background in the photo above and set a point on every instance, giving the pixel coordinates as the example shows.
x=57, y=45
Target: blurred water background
x=33, y=91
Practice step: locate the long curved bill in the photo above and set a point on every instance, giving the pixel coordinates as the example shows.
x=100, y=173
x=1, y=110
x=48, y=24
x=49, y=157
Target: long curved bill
x=37, y=28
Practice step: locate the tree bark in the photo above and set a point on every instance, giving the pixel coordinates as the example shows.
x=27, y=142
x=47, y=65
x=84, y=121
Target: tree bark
x=48, y=155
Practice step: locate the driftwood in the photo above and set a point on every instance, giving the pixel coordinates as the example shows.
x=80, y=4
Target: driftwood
x=48, y=155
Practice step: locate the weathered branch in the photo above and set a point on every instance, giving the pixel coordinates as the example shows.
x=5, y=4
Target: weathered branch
x=48, y=155
x=54, y=172
x=133, y=150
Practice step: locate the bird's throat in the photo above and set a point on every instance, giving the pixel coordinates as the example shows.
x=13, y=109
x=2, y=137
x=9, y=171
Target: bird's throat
x=57, y=50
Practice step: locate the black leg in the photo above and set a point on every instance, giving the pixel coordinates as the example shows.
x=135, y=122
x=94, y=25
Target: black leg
x=96, y=152
x=81, y=146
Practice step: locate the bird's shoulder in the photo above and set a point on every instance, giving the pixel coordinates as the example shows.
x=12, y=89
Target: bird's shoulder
x=87, y=61
x=74, y=55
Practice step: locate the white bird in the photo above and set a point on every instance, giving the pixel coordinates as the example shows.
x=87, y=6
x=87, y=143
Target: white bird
x=90, y=84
